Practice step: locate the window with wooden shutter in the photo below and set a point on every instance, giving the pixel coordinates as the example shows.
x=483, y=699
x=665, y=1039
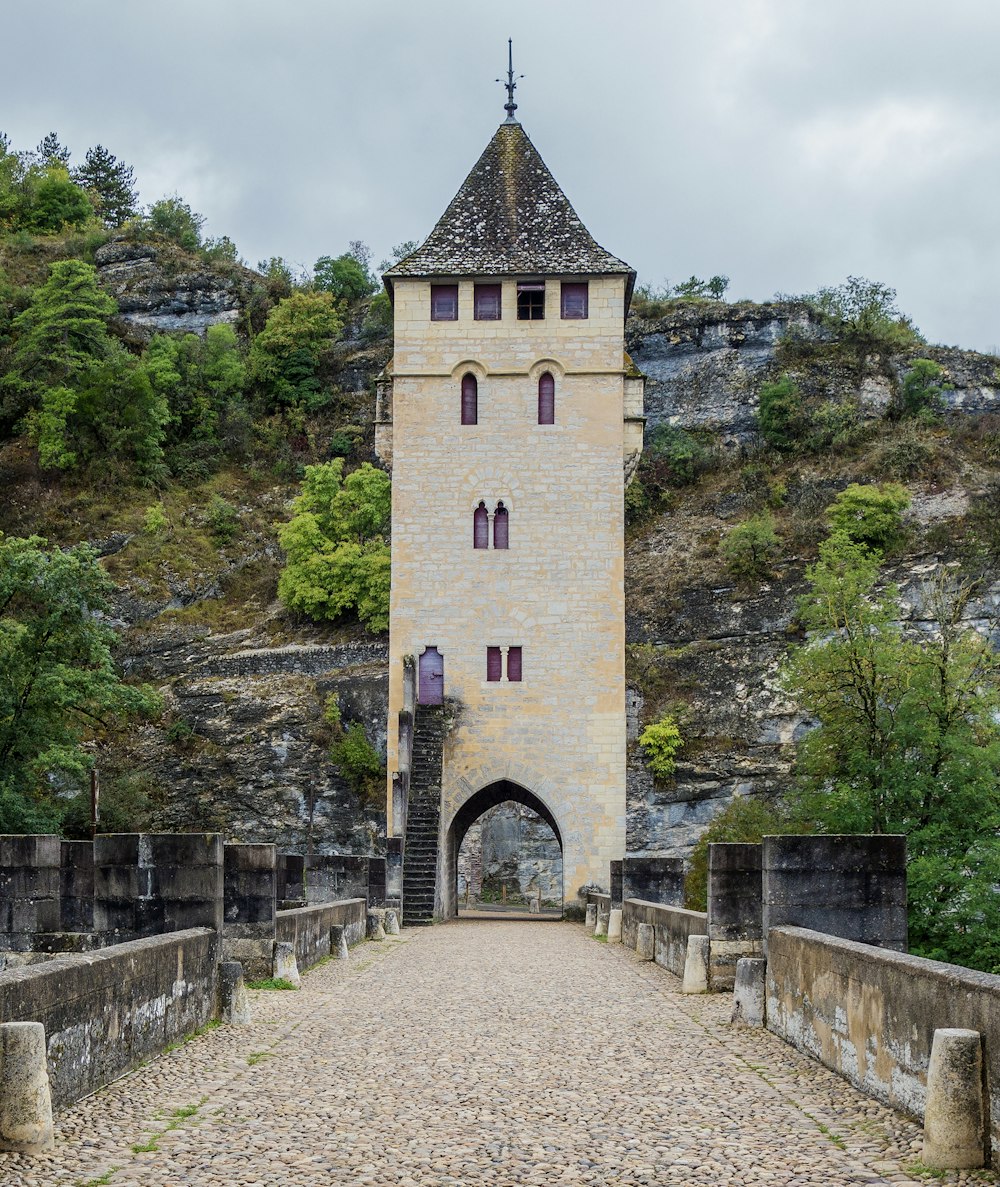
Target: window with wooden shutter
x=444, y=302
x=514, y=664
x=470, y=400
x=574, y=301
x=486, y=304
x=494, y=664
x=501, y=527
x=481, y=527
x=546, y=400
x=531, y=300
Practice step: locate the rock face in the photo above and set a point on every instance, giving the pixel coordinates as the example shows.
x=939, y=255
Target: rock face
x=511, y=845
x=157, y=293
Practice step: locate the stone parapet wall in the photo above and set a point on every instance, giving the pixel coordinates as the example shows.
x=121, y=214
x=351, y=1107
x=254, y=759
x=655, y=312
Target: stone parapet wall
x=308, y=928
x=870, y=1013
x=672, y=925
x=105, y=1012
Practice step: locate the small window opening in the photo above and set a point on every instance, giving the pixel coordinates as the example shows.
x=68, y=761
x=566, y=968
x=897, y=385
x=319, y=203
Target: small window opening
x=574, y=300
x=487, y=302
x=470, y=400
x=494, y=664
x=514, y=664
x=501, y=525
x=481, y=527
x=531, y=300
x=546, y=400
x=444, y=302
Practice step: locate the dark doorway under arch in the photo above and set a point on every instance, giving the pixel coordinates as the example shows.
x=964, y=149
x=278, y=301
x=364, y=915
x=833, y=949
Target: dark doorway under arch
x=474, y=809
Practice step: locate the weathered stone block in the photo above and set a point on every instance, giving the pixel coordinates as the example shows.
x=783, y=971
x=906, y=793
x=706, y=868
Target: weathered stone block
x=645, y=941
x=653, y=879
x=29, y=888
x=749, y=991
x=285, y=967
x=25, y=1103
x=954, y=1117
x=696, y=965
x=234, y=1002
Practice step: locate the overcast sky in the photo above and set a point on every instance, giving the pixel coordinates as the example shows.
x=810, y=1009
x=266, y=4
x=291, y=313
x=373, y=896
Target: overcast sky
x=785, y=143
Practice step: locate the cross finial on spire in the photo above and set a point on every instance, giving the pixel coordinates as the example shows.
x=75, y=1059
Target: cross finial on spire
x=511, y=84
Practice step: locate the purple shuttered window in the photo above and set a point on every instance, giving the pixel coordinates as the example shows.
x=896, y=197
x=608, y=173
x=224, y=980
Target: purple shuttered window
x=481, y=527
x=430, y=677
x=574, y=301
x=486, y=305
x=494, y=664
x=546, y=400
x=514, y=664
x=501, y=527
x=444, y=302
x=470, y=400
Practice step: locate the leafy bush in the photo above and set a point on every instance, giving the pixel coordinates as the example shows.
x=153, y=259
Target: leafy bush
x=359, y=763
x=909, y=452
x=175, y=219
x=285, y=355
x=870, y=515
x=345, y=277
x=922, y=394
x=781, y=414
x=744, y=819
x=751, y=548
x=661, y=742
x=681, y=457
x=223, y=519
x=155, y=520
x=863, y=313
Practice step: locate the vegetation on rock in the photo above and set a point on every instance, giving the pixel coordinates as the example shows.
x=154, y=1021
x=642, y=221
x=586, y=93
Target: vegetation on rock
x=661, y=742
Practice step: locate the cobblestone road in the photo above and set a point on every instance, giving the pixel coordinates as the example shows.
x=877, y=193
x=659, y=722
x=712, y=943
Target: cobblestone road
x=497, y=1053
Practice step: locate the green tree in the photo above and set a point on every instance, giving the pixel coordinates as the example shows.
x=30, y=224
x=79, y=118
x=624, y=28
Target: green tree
x=58, y=685
x=335, y=545
x=864, y=313
x=56, y=203
x=907, y=741
x=176, y=220
x=51, y=152
x=344, y=276
x=111, y=183
x=781, y=414
x=285, y=355
x=870, y=515
x=922, y=393
x=751, y=548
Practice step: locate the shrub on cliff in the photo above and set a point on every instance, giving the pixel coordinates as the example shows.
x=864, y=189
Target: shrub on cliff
x=751, y=548
x=870, y=515
x=863, y=313
x=781, y=414
x=336, y=547
x=661, y=742
x=285, y=355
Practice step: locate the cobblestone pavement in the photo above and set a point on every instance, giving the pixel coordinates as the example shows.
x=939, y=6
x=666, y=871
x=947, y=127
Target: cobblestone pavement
x=504, y=1053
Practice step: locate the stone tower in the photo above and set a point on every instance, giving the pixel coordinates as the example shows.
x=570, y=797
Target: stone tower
x=511, y=417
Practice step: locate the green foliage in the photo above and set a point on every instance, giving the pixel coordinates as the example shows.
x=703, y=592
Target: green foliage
x=751, y=548
x=344, y=277
x=111, y=183
x=285, y=355
x=781, y=414
x=653, y=301
x=155, y=520
x=378, y=319
x=336, y=548
x=57, y=680
x=176, y=220
x=864, y=314
x=661, y=742
x=922, y=394
x=51, y=152
x=270, y=983
x=679, y=455
x=907, y=741
x=57, y=203
x=223, y=519
x=870, y=515
x=359, y=763
x=744, y=819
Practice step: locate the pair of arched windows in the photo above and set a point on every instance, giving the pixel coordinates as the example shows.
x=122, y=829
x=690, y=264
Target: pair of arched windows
x=481, y=526
x=546, y=399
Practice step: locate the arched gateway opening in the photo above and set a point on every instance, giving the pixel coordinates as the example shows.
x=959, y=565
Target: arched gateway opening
x=504, y=849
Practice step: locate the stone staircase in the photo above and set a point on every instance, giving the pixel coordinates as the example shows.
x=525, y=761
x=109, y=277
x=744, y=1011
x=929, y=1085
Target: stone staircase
x=423, y=815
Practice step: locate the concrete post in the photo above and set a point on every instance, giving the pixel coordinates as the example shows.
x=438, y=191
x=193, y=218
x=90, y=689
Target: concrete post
x=645, y=942
x=25, y=1103
x=954, y=1121
x=391, y=922
x=615, y=925
x=285, y=966
x=376, y=928
x=338, y=942
x=590, y=919
x=234, y=1002
x=696, y=965
x=601, y=926
x=749, y=995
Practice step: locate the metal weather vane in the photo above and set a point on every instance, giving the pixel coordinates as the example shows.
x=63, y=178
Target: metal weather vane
x=511, y=84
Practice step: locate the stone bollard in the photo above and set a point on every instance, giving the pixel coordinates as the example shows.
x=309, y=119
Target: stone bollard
x=285, y=967
x=601, y=927
x=25, y=1103
x=645, y=941
x=590, y=920
x=615, y=925
x=338, y=942
x=376, y=929
x=391, y=922
x=954, y=1136
x=234, y=1001
x=748, y=992
x=696, y=966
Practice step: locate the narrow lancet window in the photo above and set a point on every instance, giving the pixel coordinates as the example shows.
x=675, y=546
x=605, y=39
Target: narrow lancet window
x=501, y=526
x=481, y=527
x=546, y=400
x=470, y=400
x=494, y=664
x=514, y=664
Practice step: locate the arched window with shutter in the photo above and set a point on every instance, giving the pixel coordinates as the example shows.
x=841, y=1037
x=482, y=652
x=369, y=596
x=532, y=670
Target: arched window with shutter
x=481, y=527
x=501, y=527
x=470, y=399
x=547, y=400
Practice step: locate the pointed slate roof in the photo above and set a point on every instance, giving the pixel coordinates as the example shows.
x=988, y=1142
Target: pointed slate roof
x=510, y=216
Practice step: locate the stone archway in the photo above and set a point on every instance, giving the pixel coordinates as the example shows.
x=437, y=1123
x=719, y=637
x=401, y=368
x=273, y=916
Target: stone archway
x=493, y=794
